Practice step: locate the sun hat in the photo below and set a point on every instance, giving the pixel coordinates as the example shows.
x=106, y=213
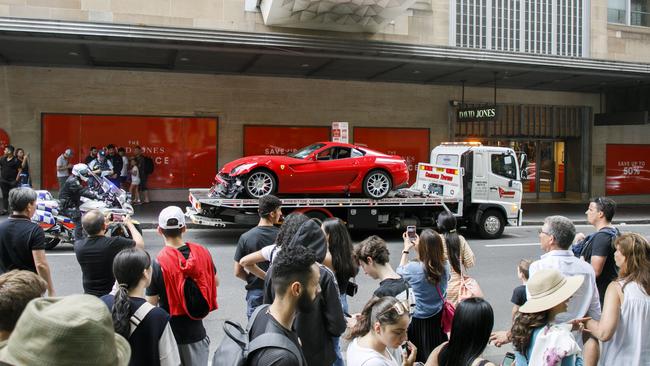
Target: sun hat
x=71, y=330
x=548, y=288
x=171, y=217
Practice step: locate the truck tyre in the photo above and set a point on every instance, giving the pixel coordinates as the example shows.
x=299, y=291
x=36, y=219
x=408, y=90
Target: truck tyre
x=377, y=184
x=51, y=241
x=314, y=214
x=260, y=183
x=491, y=224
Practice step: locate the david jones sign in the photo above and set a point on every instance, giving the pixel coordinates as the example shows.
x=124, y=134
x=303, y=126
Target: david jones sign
x=476, y=114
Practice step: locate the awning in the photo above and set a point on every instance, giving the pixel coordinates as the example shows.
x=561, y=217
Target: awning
x=133, y=47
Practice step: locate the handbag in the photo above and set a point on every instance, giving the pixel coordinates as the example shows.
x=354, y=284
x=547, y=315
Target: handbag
x=448, y=311
x=468, y=287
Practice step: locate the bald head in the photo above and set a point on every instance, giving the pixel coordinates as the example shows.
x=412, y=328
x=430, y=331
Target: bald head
x=93, y=222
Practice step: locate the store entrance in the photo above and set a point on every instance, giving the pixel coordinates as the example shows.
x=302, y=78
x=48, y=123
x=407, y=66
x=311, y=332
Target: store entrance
x=545, y=170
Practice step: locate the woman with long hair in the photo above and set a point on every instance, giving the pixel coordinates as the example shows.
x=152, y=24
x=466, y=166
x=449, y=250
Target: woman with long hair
x=144, y=325
x=427, y=275
x=458, y=253
x=382, y=325
x=289, y=227
x=536, y=335
x=470, y=333
x=25, y=179
x=623, y=326
x=339, y=245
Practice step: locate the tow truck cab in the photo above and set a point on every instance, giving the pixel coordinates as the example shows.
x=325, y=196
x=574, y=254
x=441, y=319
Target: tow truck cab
x=491, y=184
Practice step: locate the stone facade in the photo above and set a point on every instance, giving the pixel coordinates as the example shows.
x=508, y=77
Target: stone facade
x=28, y=92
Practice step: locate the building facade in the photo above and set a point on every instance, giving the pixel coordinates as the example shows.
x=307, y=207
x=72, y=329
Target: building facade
x=569, y=78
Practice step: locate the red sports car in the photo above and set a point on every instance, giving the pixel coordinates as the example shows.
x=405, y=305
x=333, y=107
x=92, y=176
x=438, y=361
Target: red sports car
x=322, y=167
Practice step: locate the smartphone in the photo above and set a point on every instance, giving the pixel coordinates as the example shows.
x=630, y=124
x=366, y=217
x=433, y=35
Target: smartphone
x=405, y=347
x=410, y=231
x=116, y=217
x=508, y=359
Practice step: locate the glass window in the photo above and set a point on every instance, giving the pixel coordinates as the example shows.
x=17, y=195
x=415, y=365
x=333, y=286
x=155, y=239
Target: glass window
x=343, y=153
x=306, y=151
x=640, y=13
x=447, y=160
x=504, y=165
x=616, y=10
x=327, y=154
x=356, y=153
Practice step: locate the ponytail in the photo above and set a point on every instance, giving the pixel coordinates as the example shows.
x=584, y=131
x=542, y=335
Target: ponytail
x=121, y=311
x=385, y=310
x=128, y=268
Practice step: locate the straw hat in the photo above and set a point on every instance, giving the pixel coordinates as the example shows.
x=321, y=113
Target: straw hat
x=71, y=330
x=548, y=288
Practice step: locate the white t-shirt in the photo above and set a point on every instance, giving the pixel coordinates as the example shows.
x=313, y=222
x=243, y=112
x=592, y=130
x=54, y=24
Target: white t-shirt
x=362, y=356
x=267, y=251
x=61, y=161
x=125, y=166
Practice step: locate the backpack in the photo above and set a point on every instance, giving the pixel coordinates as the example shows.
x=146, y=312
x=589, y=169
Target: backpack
x=236, y=346
x=580, y=247
x=148, y=165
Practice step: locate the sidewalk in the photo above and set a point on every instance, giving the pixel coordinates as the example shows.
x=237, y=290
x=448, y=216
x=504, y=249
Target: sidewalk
x=534, y=213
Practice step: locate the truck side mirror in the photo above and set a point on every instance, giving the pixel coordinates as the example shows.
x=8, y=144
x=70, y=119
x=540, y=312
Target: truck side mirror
x=523, y=159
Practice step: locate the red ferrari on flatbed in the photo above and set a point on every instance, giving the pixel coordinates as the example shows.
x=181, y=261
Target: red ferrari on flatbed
x=322, y=167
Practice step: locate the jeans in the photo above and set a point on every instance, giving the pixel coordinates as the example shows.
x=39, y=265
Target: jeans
x=336, y=340
x=254, y=298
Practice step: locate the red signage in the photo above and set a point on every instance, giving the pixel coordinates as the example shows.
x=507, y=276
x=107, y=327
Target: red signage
x=281, y=140
x=184, y=150
x=410, y=143
x=4, y=140
x=628, y=169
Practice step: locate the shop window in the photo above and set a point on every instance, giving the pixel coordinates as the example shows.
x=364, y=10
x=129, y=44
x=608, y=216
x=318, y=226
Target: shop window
x=504, y=165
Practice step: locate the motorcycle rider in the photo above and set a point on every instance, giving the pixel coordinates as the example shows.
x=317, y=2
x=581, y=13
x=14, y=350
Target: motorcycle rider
x=70, y=196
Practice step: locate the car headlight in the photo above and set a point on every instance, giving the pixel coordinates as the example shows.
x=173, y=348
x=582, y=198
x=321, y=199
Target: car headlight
x=241, y=168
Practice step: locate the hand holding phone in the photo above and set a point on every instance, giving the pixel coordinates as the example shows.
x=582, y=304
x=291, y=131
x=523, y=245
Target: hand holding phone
x=115, y=217
x=411, y=233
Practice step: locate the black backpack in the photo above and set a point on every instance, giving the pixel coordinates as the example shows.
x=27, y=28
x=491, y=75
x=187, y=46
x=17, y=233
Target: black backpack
x=148, y=165
x=236, y=346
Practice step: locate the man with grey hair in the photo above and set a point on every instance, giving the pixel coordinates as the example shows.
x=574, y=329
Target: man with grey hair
x=556, y=237
x=22, y=242
x=95, y=253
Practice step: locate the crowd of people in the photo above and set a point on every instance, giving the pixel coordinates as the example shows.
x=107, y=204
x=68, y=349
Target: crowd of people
x=14, y=172
x=585, y=301
x=128, y=172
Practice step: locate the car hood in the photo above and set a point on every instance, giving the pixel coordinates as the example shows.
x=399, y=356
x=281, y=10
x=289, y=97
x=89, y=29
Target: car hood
x=258, y=160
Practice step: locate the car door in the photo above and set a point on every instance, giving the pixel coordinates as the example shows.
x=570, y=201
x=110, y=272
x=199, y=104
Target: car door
x=310, y=176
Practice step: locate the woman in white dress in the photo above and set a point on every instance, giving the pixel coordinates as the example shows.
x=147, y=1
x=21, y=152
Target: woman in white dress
x=623, y=326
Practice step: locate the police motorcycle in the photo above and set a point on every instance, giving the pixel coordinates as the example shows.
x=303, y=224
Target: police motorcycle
x=113, y=202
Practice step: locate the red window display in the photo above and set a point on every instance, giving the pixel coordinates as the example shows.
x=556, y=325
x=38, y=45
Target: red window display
x=281, y=140
x=627, y=169
x=410, y=143
x=184, y=149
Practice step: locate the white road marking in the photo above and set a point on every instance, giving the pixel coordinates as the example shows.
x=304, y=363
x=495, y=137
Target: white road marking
x=59, y=254
x=512, y=245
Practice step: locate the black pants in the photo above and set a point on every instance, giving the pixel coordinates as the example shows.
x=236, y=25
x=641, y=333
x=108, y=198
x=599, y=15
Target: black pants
x=6, y=186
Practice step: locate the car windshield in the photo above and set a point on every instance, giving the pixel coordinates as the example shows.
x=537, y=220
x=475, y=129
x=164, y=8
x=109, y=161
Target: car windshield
x=306, y=151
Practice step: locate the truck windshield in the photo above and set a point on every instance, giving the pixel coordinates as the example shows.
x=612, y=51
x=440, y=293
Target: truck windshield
x=306, y=151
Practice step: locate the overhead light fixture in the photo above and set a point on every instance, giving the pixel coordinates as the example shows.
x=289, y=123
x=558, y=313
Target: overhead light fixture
x=184, y=59
x=73, y=53
x=305, y=65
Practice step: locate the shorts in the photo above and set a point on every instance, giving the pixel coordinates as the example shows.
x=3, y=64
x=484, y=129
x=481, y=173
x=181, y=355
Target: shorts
x=196, y=353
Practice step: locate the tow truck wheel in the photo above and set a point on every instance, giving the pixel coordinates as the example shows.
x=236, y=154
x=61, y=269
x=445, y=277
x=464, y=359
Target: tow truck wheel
x=491, y=224
x=260, y=183
x=377, y=184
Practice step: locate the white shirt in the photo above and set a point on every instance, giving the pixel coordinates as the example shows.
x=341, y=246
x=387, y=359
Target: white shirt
x=362, y=356
x=125, y=166
x=267, y=251
x=585, y=301
x=630, y=344
x=61, y=161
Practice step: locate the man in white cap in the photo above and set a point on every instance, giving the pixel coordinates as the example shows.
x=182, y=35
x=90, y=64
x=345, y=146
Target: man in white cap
x=63, y=166
x=186, y=287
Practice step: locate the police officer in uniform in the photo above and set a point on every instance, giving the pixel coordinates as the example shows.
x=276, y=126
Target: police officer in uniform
x=70, y=196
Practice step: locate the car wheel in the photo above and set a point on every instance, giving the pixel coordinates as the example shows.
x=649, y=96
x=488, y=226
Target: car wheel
x=491, y=224
x=377, y=184
x=260, y=183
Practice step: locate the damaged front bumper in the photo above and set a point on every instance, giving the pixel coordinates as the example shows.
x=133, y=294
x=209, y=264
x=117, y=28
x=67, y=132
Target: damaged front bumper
x=226, y=186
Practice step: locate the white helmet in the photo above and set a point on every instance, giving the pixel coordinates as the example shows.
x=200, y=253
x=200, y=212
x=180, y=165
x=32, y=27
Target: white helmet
x=81, y=171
